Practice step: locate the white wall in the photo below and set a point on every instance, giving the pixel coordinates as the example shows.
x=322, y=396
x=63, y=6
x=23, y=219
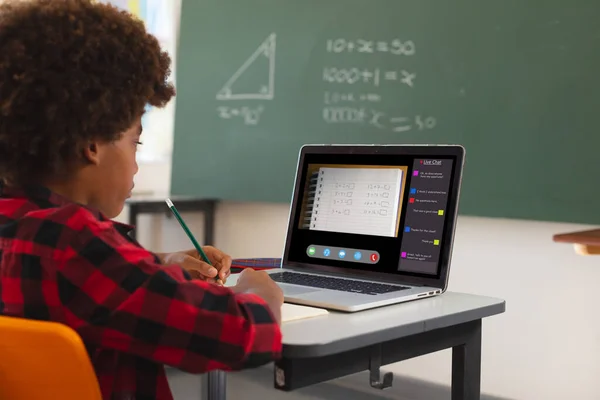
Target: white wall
x=546, y=345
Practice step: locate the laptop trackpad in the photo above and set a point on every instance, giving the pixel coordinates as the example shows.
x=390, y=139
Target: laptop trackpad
x=292, y=290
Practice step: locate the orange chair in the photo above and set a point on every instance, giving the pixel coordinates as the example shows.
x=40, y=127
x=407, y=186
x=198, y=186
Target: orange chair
x=44, y=360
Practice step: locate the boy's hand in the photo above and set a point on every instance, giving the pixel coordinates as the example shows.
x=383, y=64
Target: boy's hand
x=192, y=262
x=261, y=284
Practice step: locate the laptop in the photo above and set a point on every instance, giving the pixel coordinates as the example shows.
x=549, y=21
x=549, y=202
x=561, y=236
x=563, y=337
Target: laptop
x=370, y=225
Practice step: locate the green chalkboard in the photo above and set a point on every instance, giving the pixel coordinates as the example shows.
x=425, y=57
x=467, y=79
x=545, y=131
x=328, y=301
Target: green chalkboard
x=517, y=82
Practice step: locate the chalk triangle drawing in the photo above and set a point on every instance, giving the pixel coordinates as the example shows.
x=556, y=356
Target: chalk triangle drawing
x=263, y=60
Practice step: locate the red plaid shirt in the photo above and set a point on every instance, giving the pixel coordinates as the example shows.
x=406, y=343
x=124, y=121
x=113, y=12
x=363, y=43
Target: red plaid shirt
x=63, y=262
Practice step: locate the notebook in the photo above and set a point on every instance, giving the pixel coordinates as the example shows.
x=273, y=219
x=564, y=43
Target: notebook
x=294, y=312
x=289, y=312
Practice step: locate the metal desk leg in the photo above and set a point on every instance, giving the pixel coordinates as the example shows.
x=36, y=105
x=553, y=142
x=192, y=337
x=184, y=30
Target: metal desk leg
x=133, y=220
x=209, y=223
x=466, y=366
x=214, y=386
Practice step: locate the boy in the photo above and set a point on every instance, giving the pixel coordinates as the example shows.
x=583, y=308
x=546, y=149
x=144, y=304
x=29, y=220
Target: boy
x=75, y=77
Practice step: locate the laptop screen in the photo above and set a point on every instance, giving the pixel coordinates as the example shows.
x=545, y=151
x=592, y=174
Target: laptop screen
x=375, y=212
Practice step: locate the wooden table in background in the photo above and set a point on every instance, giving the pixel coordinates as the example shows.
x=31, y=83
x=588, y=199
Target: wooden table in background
x=585, y=242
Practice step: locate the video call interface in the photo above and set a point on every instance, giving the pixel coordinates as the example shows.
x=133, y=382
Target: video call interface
x=387, y=216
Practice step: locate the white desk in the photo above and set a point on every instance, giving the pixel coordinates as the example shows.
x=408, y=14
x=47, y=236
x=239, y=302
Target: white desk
x=338, y=344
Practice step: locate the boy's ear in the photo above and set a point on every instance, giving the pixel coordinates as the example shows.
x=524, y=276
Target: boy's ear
x=91, y=153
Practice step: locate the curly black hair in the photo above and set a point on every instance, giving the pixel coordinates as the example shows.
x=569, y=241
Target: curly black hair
x=71, y=72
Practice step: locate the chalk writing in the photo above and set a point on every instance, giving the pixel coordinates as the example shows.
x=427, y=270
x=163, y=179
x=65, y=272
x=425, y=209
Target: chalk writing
x=378, y=119
x=370, y=97
x=263, y=58
x=350, y=75
x=375, y=117
x=337, y=97
x=354, y=75
x=425, y=122
x=250, y=115
x=403, y=76
x=354, y=106
x=344, y=115
x=367, y=46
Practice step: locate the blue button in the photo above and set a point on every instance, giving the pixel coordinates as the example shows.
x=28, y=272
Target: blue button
x=357, y=255
x=342, y=253
x=413, y=191
x=326, y=252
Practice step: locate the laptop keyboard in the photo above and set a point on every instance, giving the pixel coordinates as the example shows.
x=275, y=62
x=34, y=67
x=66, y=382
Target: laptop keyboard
x=344, y=285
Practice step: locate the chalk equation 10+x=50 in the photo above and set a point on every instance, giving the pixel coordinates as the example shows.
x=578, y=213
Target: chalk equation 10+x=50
x=395, y=46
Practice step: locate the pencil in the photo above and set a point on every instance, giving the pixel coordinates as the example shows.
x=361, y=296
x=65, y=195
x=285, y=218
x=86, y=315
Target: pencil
x=189, y=233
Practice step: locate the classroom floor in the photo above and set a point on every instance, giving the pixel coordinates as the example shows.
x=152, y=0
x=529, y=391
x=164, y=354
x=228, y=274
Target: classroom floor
x=258, y=383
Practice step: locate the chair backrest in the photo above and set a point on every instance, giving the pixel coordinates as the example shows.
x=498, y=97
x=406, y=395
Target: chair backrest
x=44, y=360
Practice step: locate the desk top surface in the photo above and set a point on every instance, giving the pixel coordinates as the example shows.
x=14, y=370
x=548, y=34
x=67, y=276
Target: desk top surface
x=338, y=331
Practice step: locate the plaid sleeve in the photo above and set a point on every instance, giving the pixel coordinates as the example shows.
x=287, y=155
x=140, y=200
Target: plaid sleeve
x=116, y=295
